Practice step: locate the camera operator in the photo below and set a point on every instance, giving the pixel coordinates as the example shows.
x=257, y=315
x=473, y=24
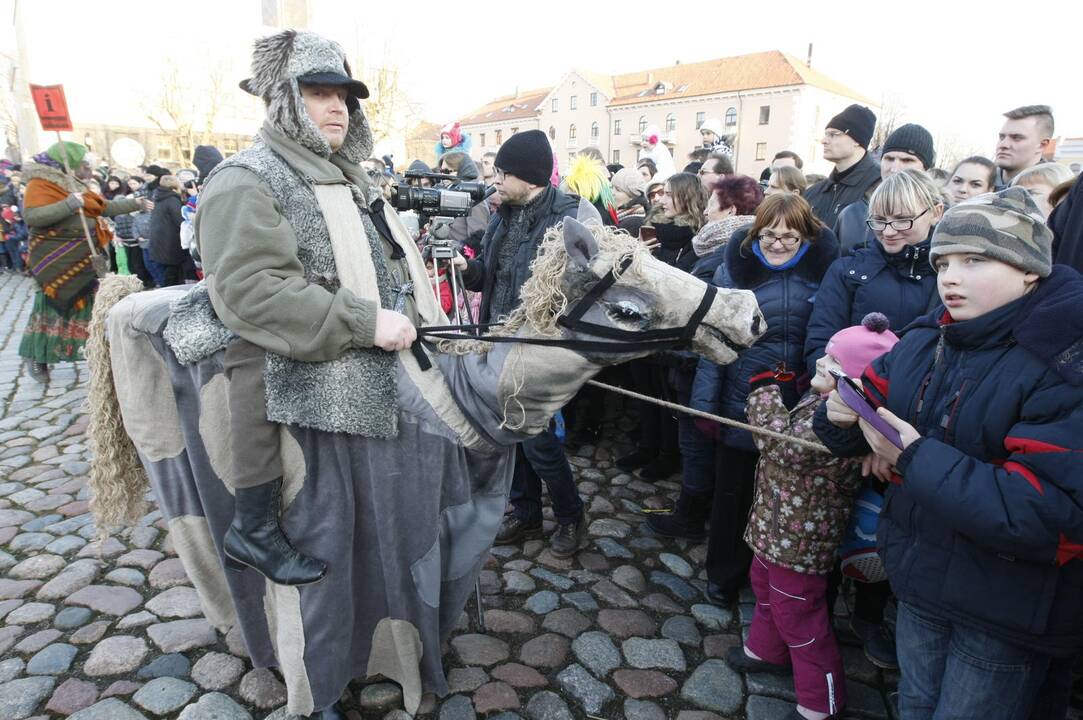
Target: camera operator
x=530, y=205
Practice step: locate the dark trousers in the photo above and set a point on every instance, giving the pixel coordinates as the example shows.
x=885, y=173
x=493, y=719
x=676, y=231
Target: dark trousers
x=728, y=556
x=137, y=267
x=697, y=451
x=171, y=275
x=657, y=425
x=542, y=458
x=254, y=439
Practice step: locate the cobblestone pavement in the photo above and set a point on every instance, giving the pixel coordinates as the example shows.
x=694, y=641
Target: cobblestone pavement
x=114, y=631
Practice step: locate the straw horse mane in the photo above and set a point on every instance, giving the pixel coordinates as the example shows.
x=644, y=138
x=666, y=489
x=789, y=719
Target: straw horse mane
x=545, y=294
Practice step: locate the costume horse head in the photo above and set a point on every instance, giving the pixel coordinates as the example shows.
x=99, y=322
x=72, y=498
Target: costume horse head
x=404, y=523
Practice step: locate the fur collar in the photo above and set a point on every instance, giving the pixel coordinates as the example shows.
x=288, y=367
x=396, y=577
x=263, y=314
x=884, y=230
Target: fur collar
x=37, y=171
x=747, y=272
x=277, y=62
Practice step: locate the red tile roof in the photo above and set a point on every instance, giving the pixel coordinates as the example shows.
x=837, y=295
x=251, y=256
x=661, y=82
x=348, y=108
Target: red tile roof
x=509, y=107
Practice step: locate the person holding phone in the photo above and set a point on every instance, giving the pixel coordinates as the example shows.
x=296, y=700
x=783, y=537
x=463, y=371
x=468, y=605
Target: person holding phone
x=981, y=532
x=799, y=514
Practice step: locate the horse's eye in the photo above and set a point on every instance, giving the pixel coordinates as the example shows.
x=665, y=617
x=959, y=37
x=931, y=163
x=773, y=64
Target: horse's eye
x=625, y=311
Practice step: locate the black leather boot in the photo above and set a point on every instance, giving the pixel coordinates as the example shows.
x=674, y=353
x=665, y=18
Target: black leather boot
x=255, y=539
x=688, y=519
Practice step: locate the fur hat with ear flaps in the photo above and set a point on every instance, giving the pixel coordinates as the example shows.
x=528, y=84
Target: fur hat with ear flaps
x=278, y=61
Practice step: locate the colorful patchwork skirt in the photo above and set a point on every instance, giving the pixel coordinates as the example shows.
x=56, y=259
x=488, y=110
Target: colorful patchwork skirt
x=52, y=336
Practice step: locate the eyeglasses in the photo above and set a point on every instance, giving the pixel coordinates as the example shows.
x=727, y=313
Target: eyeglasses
x=900, y=225
x=787, y=241
x=832, y=134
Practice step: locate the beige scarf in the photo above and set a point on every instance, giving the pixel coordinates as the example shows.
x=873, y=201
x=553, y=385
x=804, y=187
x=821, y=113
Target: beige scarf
x=353, y=259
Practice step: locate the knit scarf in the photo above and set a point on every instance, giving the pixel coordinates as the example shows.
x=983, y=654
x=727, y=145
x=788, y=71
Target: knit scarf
x=714, y=235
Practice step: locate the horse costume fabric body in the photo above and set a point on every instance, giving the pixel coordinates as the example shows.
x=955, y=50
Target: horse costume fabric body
x=404, y=523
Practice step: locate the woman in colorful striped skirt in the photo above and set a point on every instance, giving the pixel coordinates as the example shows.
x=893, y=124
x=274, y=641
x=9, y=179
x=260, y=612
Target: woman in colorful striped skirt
x=60, y=254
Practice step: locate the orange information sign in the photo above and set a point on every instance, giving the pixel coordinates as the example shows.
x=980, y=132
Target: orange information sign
x=51, y=106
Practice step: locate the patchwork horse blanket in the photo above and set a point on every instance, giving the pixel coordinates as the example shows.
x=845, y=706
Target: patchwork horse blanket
x=404, y=524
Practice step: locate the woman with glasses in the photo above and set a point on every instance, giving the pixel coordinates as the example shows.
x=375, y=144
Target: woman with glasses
x=894, y=278
x=781, y=257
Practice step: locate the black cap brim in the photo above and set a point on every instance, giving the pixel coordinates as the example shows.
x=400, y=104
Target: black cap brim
x=354, y=87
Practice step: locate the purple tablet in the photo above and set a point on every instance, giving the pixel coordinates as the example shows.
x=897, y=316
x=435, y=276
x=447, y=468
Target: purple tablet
x=856, y=399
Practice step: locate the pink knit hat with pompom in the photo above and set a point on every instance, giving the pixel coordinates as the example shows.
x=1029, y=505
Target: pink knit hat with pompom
x=857, y=346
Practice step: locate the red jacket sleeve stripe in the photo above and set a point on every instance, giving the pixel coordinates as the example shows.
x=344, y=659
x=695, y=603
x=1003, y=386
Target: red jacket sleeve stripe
x=1023, y=470
x=1068, y=550
x=1030, y=445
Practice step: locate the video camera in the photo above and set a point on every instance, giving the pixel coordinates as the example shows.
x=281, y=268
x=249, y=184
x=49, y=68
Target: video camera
x=453, y=200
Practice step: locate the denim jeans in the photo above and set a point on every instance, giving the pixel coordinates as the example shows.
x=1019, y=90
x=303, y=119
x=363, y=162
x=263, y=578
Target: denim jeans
x=12, y=247
x=697, y=454
x=953, y=671
x=156, y=270
x=542, y=458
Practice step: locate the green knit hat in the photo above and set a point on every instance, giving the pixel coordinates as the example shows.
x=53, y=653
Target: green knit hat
x=1005, y=226
x=74, y=151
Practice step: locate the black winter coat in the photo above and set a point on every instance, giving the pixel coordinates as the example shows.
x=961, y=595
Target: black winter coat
x=480, y=274
x=986, y=525
x=165, y=222
x=1066, y=220
x=901, y=286
x=785, y=299
x=829, y=196
x=675, y=245
x=851, y=230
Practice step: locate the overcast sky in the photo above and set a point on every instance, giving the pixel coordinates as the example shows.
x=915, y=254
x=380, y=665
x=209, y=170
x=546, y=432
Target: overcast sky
x=953, y=66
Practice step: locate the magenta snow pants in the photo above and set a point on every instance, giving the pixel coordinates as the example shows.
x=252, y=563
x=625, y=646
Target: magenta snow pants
x=792, y=624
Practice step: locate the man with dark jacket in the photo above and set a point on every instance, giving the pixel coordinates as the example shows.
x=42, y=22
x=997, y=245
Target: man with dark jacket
x=845, y=142
x=530, y=205
x=1066, y=221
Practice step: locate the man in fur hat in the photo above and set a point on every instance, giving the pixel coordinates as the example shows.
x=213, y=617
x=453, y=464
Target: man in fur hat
x=314, y=278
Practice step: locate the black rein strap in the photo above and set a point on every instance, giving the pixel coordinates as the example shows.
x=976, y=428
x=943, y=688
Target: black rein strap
x=626, y=340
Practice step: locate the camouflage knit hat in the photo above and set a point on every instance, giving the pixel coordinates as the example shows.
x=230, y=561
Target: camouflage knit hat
x=1005, y=226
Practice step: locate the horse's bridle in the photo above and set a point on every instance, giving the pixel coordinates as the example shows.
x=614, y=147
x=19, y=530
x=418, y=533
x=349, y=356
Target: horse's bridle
x=627, y=340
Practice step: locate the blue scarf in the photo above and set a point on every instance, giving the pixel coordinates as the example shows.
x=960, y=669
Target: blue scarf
x=784, y=266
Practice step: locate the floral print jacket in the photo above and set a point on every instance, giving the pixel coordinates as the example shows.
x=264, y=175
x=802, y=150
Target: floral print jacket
x=803, y=498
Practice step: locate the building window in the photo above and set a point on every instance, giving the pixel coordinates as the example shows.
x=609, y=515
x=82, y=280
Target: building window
x=552, y=133
x=761, y=151
x=556, y=104
x=514, y=130
x=765, y=114
x=616, y=157
x=573, y=103
x=616, y=127
x=731, y=117
x=482, y=137
x=594, y=99
x=165, y=151
x=700, y=118
x=594, y=132
x=499, y=136
x=571, y=133
x=671, y=123
x=642, y=124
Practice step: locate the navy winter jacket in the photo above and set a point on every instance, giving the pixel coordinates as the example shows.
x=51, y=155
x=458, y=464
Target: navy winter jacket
x=784, y=297
x=986, y=527
x=901, y=286
x=851, y=230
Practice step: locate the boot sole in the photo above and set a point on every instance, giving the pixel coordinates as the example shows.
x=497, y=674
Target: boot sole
x=234, y=565
x=525, y=535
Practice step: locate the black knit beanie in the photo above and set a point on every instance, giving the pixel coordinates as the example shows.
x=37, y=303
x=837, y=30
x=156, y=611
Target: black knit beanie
x=913, y=139
x=857, y=121
x=528, y=156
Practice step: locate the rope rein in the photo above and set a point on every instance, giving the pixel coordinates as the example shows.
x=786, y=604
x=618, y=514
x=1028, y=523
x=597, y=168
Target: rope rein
x=807, y=444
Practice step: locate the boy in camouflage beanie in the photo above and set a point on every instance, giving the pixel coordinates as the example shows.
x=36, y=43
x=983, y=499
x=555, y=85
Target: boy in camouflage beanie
x=1006, y=226
x=981, y=532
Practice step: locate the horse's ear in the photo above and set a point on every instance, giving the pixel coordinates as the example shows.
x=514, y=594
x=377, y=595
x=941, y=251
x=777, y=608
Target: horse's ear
x=579, y=242
x=587, y=213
